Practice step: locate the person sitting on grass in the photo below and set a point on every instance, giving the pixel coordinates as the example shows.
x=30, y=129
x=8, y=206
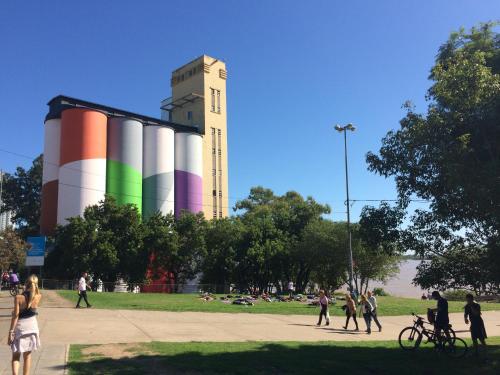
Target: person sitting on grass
x=472, y=314
x=350, y=311
x=323, y=302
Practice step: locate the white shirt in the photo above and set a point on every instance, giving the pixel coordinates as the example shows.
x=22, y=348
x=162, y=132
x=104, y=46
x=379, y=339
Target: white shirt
x=82, y=284
x=367, y=307
x=290, y=285
x=373, y=301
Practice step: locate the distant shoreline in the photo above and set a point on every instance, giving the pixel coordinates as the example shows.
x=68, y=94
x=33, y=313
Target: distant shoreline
x=401, y=284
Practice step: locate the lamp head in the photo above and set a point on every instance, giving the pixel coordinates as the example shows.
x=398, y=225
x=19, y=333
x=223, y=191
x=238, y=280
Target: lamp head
x=350, y=127
x=339, y=128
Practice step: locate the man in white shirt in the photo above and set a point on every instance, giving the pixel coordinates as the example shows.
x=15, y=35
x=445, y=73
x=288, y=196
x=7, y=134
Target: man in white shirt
x=373, y=302
x=291, y=289
x=82, y=290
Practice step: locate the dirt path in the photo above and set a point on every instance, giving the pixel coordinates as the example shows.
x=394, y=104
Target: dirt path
x=51, y=299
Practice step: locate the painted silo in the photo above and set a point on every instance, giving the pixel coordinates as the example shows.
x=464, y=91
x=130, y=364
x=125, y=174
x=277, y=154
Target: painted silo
x=50, y=176
x=188, y=172
x=82, y=171
x=124, y=161
x=158, y=170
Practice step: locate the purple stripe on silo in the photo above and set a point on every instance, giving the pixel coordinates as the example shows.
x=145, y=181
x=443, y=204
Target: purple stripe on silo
x=188, y=192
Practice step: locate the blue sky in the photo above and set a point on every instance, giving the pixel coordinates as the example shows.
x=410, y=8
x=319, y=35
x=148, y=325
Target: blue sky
x=295, y=68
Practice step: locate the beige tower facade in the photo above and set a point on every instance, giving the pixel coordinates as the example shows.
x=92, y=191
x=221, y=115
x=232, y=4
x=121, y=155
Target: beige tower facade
x=199, y=99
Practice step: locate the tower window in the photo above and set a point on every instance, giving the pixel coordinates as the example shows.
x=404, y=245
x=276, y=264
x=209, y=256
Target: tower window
x=189, y=115
x=215, y=99
x=212, y=91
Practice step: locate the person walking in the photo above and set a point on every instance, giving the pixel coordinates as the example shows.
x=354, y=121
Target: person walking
x=373, y=301
x=82, y=290
x=24, y=335
x=472, y=314
x=350, y=311
x=323, y=303
x=366, y=309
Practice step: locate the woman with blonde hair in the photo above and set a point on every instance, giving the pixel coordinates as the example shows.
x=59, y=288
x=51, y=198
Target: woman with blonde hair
x=350, y=311
x=24, y=336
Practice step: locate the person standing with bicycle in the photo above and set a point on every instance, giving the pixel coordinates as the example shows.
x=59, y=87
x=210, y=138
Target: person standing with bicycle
x=442, y=321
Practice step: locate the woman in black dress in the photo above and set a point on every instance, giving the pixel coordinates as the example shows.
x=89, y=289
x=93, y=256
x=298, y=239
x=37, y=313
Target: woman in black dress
x=472, y=313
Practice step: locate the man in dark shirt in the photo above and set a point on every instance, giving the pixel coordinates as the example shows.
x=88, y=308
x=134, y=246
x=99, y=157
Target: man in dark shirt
x=472, y=314
x=442, y=318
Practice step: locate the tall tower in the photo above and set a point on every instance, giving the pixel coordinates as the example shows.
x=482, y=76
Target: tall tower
x=199, y=99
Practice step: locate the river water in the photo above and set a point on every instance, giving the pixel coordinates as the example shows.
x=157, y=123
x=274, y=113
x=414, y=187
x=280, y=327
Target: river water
x=400, y=285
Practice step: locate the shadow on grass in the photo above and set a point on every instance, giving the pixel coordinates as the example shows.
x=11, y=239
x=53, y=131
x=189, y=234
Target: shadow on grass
x=285, y=358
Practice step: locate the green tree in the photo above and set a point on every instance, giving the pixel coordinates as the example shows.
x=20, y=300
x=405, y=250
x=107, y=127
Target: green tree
x=107, y=242
x=274, y=226
x=22, y=195
x=372, y=266
x=178, y=245
x=223, y=239
x=379, y=228
x=450, y=155
x=12, y=249
x=322, y=252
x=462, y=268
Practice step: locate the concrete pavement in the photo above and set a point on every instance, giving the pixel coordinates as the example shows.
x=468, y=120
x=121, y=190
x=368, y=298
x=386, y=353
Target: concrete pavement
x=50, y=360
x=93, y=326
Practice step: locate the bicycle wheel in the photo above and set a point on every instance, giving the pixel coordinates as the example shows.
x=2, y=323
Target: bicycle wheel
x=409, y=338
x=453, y=335
x=442, y=337
x=455, y=348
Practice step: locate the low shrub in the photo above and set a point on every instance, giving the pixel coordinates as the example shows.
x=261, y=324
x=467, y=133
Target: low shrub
x=455, y=295
x=380, y=292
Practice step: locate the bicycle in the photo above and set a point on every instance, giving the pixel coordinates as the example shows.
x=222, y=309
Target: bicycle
x=411, y=337
x=14, y=289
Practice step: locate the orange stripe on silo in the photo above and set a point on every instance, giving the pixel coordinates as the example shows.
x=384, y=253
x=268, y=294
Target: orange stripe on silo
x=48, y=218
x=83, y=135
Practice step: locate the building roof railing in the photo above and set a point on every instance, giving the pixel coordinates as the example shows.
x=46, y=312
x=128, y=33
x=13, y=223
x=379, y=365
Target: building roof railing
x=60, y=103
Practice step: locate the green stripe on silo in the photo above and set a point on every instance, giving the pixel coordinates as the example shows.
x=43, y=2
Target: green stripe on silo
x=124, y=183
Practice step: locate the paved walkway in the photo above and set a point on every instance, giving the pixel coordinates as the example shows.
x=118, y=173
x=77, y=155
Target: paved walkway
x=61, y=325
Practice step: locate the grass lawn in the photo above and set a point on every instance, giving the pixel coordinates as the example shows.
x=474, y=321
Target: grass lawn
x=382, y=357
x=190, y=302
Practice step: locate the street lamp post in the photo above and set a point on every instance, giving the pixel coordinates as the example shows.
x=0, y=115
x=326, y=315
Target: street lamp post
x=344, y=129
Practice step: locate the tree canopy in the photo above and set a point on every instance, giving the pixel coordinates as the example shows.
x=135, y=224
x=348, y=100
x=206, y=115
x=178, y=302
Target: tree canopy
x=12, y=249
x=22, y=195
x=450, y=155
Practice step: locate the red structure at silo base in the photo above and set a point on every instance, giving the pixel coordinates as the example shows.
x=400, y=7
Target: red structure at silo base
x=49, y=208
x=159, y=280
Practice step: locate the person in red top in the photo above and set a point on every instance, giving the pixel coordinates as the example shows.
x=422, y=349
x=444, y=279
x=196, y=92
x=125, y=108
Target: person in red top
x=5, y=279
x=323, y=302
